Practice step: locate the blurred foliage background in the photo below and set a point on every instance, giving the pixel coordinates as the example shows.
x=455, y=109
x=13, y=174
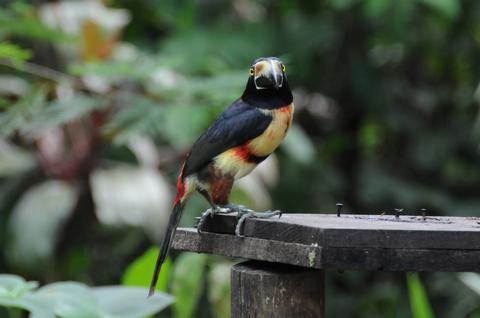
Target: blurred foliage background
x=100, y=100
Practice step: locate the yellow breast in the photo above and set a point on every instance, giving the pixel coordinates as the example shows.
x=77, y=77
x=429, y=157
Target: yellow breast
x=271, y=138
x=233, y=161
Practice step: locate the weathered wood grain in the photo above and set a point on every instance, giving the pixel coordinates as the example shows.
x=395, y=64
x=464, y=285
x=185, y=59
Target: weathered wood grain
x=407, y=232
x=273, y=290
x=251, y=248
x=319, y=241
x=326, y=257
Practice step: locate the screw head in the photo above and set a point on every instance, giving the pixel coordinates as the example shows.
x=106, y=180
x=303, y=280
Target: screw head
x=339, y=208
x=398, y=211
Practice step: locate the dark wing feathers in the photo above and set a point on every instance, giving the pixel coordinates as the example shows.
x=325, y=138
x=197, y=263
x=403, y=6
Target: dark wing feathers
x=238, y=124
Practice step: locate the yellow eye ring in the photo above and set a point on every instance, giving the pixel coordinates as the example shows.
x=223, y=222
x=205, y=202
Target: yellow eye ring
x=283, y=68
x=251, y=71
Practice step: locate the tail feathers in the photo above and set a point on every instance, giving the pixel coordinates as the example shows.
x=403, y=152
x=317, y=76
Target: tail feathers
x=167, y=242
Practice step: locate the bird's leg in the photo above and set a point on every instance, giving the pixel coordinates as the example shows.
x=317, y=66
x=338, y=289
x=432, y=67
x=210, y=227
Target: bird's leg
x=214, y=209
x=256, y=215
x=244, y=213
x=239, y=209
x=210, y=212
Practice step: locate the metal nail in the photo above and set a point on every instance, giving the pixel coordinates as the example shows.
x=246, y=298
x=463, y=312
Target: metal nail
x=424, y=213
x=339, y=208
x=398, y=212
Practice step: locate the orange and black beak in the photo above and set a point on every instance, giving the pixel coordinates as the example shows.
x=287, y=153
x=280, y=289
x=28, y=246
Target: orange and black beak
x=268, y=73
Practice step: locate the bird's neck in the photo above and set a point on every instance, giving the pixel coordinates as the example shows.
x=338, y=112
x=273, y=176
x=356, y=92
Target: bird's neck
x=267, y=98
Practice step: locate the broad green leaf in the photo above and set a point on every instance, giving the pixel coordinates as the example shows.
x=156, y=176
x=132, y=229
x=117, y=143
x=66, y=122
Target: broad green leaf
x=472, y=280
x=375, y=8
x=25, y=23
x=130, y=302
x=36, y=221
x=143, y=116
x=14, y=53
x=70, y=300
x=187, y=283
x=115, y=71
x=139, y=273
x=182, y=125
x=419, y=303
x=76, y=300
x=14, y=286
x=142, y=197
x=59, y=112
x=15, y=292
x=178, y=125
x=20, y=114
x=450, y=8
x=33, y=115
x=219, y=289
x=14, y=160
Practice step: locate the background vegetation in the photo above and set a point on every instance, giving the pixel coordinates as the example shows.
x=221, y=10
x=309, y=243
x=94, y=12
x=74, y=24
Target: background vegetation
x=99, y=101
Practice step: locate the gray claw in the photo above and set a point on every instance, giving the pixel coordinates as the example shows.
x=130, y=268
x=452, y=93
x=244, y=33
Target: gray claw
x=248, y=213
x=201, y=220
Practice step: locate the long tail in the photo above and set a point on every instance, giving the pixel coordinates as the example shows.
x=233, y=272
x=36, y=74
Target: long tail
x=167, y=242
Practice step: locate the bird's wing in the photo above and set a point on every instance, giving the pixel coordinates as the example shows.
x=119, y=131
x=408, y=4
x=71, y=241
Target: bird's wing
x=237, y=125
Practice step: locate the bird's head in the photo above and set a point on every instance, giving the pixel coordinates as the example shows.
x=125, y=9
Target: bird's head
x=268, y=73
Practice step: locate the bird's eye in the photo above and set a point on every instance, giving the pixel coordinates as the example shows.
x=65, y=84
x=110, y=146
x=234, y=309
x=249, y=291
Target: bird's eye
x=252, y=71
x=283, y=68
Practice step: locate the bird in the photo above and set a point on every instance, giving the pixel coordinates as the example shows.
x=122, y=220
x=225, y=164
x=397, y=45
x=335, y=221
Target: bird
x=243, y=136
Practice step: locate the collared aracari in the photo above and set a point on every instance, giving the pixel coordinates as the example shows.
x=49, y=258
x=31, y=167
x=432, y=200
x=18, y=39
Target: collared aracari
x=244, y=135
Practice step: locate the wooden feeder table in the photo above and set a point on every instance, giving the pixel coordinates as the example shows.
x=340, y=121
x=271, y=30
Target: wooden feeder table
x=284, y=274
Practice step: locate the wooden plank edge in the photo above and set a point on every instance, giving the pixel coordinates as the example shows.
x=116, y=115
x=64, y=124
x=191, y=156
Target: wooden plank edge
x=187, y=239
x=318, y=257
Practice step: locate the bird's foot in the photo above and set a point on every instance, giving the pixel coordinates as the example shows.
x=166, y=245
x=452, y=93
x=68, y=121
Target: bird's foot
x=245, y=213
x=210, y=213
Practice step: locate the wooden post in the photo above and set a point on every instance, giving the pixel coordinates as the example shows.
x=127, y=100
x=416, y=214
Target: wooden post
x=264, y=290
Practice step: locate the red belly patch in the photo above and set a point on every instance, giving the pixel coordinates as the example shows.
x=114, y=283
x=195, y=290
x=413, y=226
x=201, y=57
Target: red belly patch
x=244, y=153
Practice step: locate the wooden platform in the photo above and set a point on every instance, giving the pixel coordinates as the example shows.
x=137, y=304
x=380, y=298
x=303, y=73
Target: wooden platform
x=356, y=242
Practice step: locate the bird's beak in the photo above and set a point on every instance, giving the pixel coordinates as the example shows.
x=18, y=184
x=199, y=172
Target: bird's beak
x=268, y=74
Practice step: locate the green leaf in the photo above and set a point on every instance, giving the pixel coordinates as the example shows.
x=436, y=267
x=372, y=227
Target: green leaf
x=33, y=115
x=177, y=124
x=419, y=303
x=69, y=300
x=449, y=8
x=55, y=300
x=114, y=70
x=472, y=280
x=14, y=160
x=76, y=300
x=375, y=8
x=59, y=112
x=143, y=116
x=22, y=112
x=183, y=124
x=219, y=289
x=130, y=302
x=14, y=286
x=14, y=53
x=139, y=272
x=187, y=284
x=23, y=22
x=36, y=221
